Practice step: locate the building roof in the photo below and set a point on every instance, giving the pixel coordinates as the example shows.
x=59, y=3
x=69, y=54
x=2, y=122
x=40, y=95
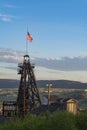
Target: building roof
x=72, y=100
x=53, y=98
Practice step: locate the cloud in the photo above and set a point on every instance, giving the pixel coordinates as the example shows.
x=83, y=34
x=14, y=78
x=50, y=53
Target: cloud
x=63, y=64
x=10, y=56
x=9, y=6
x=6, y=17
x=9, y=67
x=68, y=63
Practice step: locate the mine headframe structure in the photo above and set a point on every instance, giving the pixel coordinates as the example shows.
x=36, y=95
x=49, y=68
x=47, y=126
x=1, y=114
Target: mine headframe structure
x=28, y=94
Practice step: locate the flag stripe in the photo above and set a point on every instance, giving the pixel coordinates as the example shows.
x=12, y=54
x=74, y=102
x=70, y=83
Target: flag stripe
x=29, y=37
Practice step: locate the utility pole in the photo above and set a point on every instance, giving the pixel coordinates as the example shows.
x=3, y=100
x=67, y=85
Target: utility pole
x=49, y=86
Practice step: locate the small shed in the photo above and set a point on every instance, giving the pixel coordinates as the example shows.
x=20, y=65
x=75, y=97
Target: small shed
x=72, y=105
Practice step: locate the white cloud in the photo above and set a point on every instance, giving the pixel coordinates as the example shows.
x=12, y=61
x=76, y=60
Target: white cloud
x=68, y=68
x=64, y=64
x=10, y=56
x=9, y=6
x=6, y=17
x=78, y=63
x=59, y=58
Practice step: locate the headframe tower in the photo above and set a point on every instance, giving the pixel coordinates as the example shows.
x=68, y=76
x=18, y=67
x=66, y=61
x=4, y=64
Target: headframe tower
x=28, y=94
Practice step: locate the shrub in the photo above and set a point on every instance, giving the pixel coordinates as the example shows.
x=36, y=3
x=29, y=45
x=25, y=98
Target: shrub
x=81, y=121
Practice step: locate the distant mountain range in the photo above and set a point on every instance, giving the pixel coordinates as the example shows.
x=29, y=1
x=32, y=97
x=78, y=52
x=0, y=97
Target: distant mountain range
x=9, y=83
x=62, y=84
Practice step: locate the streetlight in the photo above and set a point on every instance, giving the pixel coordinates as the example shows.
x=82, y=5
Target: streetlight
x=49, y=85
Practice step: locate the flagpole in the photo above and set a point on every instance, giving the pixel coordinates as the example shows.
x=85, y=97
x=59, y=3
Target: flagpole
x=29, y=37
x=26, y=46
x=27, y=43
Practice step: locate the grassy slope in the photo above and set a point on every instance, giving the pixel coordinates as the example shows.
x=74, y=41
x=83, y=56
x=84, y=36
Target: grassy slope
x=57, y=121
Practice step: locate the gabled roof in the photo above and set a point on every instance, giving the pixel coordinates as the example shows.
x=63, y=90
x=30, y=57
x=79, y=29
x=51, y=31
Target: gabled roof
x=71, y=100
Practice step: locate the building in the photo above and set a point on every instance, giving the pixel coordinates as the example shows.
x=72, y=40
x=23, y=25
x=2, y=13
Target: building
x=72, y=105
x=68, y=104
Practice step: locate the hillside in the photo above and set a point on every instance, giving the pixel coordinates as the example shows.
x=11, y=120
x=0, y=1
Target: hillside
x=62, y=84
x=9, y=83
